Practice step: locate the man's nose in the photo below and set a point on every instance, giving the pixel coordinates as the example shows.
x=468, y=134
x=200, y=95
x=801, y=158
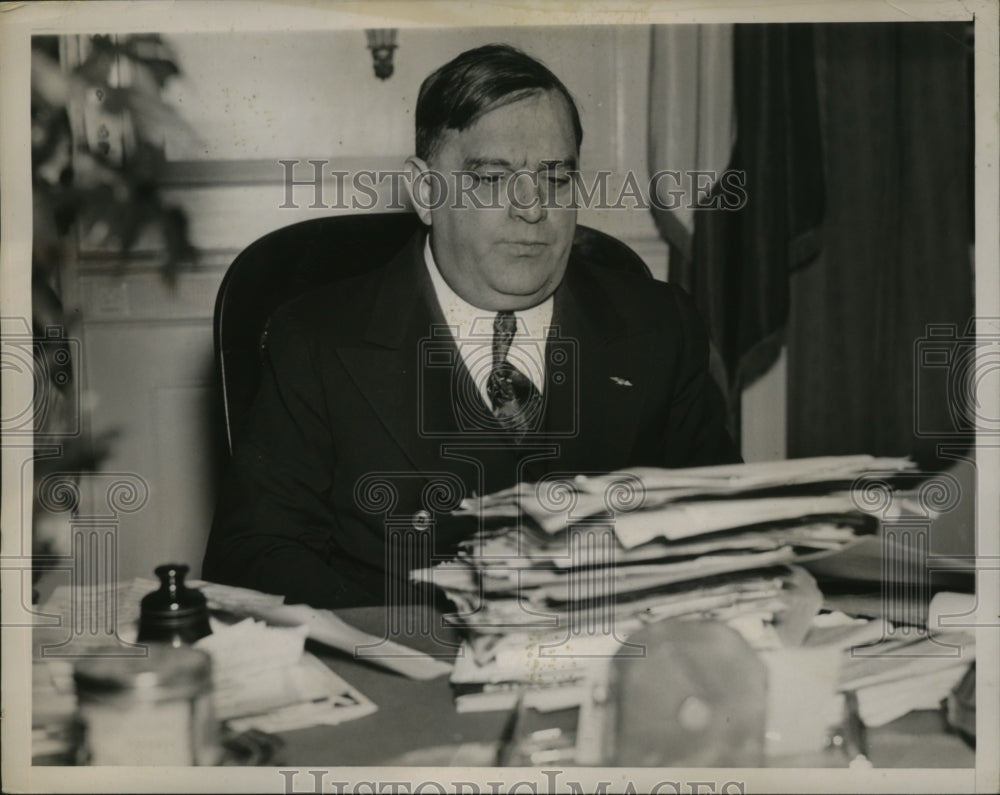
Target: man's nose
x=525, y=199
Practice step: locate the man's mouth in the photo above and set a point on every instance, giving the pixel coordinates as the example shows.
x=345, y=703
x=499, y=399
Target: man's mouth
x=525, y=247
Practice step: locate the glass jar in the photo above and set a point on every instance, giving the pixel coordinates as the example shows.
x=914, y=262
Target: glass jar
x=153, y=710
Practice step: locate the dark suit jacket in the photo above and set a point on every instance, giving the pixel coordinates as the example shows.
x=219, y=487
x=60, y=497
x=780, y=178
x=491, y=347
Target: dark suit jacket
x=356, y=435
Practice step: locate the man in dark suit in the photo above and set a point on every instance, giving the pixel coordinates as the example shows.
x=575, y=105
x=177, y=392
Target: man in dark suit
x=489, y=351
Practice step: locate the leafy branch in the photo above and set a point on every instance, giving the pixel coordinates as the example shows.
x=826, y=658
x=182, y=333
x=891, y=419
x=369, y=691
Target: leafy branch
x=97, y=165
x=109, y=192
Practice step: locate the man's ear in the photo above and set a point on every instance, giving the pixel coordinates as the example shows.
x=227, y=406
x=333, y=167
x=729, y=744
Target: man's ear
x=420, y=188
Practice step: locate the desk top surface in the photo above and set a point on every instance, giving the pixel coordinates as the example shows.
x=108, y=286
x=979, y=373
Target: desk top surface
x=417, y=724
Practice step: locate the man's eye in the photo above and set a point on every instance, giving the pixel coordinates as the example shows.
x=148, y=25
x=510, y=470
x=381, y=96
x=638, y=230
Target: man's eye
x=488, y=179
x=558, y=181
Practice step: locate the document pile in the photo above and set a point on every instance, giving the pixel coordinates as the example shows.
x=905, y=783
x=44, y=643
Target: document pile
x=894, y=669
x=561, y=571
x=264, y=679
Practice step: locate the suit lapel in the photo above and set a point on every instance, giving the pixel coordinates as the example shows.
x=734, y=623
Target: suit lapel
x=594, y=400
x=406, y=332
x=410, y=370
x=407, y=372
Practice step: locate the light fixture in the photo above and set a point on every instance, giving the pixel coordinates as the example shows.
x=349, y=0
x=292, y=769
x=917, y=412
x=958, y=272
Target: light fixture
x=382, y=43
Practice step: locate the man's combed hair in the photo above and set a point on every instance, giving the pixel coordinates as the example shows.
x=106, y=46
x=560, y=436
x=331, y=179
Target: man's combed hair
x=477, y=81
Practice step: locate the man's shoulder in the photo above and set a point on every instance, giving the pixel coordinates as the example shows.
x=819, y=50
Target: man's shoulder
x=634, y=292
x=342, y=306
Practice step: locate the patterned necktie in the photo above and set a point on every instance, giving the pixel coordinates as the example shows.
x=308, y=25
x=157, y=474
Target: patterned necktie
x=517, y=404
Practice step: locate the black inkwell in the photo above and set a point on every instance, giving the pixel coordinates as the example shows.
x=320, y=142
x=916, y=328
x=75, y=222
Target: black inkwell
x=174, y=614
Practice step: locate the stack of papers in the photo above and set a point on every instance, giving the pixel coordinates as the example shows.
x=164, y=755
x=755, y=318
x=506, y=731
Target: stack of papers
x=562, y=571
x=263, y=679
x=322, y=626
x=673, y=504
x=906, y=669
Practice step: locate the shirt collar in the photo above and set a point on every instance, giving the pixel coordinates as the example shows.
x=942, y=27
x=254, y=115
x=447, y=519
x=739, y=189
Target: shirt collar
x=472, y=321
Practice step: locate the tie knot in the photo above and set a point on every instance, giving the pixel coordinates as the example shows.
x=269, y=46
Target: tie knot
x=505, y=323
x=504, y=327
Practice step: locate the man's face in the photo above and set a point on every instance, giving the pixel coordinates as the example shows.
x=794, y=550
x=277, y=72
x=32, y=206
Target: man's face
x=510, y=251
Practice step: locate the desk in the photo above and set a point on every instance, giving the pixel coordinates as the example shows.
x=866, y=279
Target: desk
x=417, y=724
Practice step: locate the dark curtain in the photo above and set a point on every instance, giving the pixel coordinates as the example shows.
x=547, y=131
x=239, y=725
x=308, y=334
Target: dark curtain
x=895, y=100
x=743, y=255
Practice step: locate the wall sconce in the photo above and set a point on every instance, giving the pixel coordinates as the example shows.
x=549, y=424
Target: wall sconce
x=382, y=43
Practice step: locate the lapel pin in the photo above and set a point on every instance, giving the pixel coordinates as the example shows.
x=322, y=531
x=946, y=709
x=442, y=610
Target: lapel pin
x=621, y=381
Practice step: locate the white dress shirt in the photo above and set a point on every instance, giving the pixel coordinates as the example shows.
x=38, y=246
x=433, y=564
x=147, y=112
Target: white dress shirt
x=472, y=329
